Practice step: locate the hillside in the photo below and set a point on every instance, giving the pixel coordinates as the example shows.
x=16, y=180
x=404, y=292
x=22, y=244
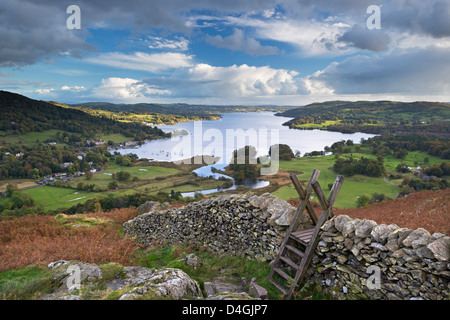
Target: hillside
x=430, y=118
x=20, y=114
x=176, y=108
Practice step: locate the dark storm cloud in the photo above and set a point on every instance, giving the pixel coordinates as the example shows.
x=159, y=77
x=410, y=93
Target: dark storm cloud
x=32, y=30
x=415, y=72
x=418, y=17
x=363, y=38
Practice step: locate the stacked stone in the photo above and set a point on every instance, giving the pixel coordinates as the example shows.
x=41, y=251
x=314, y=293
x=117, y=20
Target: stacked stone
x=242, y=225
x=358, y=259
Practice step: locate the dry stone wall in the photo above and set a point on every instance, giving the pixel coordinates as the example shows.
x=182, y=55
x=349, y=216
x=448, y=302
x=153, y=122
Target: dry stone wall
x=359, y=259
x=243, y=225
x=355, y=259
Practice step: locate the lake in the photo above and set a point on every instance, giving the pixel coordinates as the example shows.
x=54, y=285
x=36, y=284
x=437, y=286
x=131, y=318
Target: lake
x=235, y=130
x=221, y=137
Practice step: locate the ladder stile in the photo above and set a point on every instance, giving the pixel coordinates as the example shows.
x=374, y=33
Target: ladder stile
x=307, y=238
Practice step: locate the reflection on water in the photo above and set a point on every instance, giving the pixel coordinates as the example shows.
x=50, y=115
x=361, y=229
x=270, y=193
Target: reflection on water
x=206, y=171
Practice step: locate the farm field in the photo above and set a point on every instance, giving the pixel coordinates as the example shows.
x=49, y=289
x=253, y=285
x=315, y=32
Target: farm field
x=52, y=198
x=352, y=188
x=21, y=183
x=114, y=137
x=102, y=179
x=152, y=179
x=30, y=138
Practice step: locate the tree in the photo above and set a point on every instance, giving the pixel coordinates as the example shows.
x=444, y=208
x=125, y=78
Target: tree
x=401, y=154
x=89, y=175
x=402, y=167
x=284, y=151
x=244, y=164
x=363, y=200
x=10, y=189
x=122, y=175
x=435, y=171
x=113, y=185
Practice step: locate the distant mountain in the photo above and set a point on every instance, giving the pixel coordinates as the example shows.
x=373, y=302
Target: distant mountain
x=370, y=107
x=20, y=114
x=178, y=108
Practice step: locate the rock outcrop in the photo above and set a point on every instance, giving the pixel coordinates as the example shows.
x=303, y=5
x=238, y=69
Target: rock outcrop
x=75, y=280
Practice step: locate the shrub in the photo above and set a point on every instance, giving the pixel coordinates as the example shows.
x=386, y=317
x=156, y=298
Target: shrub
x=363, y=200
x=123, y=175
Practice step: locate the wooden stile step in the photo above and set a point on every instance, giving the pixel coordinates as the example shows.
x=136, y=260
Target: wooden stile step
x=279, y=287
x=295, y=250
x=303, y=236
x=290, y=262
x=283, y=274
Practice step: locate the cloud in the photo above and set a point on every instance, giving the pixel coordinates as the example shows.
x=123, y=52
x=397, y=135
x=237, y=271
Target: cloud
x=154, y=62
x=418, y=17
x=243, y=81
x=239, y=42
x=30, y=32
x=125, y=89
x=73, y=88
x=363, y=38
x=420, y=71
x=44, y=91
x=310, y=37
x=179, y=43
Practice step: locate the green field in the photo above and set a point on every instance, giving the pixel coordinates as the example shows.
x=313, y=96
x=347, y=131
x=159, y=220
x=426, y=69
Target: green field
x=30, y=138
x=353, y=186
x=152, y=179
x=52, y=198
x=21, y=183
x=391, y=163
x=102, y=179
x=114, y=137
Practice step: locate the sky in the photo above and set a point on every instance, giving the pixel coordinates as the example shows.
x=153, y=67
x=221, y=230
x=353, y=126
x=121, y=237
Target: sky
x=227, y=52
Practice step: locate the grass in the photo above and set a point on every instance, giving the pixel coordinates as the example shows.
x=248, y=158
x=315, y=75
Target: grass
x=30, y=138
x=52, y=198
x=102, y=179
x=152, y=179
x=21, y=183
x=25, y=284
x=353, y=186
x=114, y=137
x=231, y=267
x=391, y=163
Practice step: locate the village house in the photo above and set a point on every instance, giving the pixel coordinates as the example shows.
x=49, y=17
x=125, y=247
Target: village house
x=66, y=164
x=59, y=175
x=96, y=142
